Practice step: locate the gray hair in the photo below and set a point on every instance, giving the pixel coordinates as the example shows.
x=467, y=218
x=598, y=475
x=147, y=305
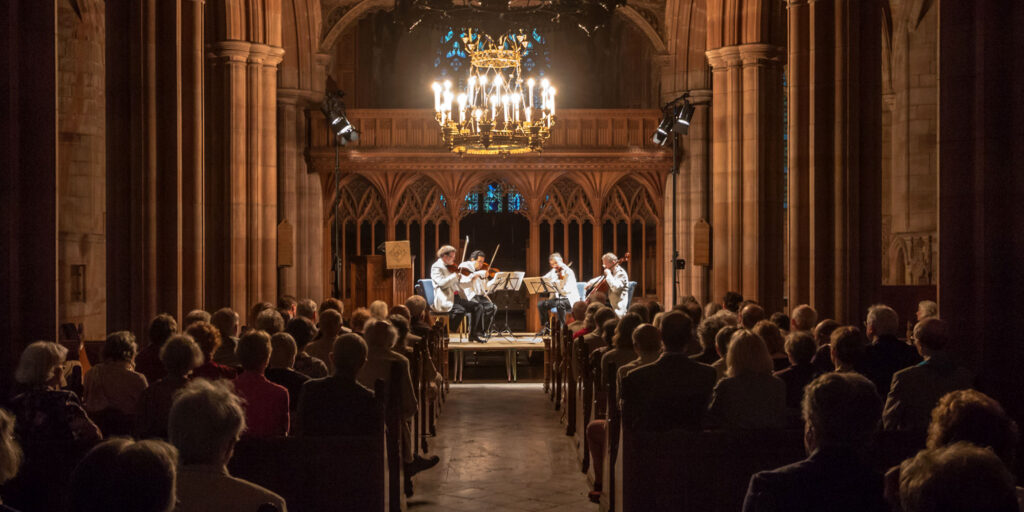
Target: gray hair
x=380, y=335
x=804, y=317
x=883, y=320
x=119, y=346
x=306, y=308
x=122, y=474
x=180, y=354
x=843, y=408
x=609, y=256
x=269, y=320
x=196, y=315
x=929, y=308
x=39, y=362
x=708, y=329
x=205, y=419
x=10, y=451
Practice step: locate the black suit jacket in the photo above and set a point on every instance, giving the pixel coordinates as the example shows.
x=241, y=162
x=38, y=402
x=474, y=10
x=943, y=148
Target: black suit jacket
x=334, y=406
x=670, y=393
x=833, y=480
x=884, y=357
x=291, y=380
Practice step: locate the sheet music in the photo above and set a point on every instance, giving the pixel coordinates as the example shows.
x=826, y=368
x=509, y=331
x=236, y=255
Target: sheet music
x=506, y=281
x=536, y=285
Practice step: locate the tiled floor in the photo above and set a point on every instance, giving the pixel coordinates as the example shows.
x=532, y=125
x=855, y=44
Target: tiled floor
x=502, y=448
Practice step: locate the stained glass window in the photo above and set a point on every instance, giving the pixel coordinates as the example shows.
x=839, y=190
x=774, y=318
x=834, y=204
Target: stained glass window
x=494, y=198
x=473, y=202
x=452, y=59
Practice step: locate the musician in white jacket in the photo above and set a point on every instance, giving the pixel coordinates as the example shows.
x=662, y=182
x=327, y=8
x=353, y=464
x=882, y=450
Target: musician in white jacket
x=563, y=280
x=448, y=295
x=475, y=285
x=618, y=283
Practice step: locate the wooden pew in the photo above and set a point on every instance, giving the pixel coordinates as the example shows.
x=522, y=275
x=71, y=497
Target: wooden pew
x=570, y=382
x=317, y=473
x=43, y=480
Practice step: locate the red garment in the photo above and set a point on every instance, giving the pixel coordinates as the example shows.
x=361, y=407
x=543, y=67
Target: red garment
x=213, y=371
x=149, y=365
x=266, y=405
x=582, y=332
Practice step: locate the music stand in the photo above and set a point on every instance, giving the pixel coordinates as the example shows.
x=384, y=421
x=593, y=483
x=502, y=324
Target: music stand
x=504, y=282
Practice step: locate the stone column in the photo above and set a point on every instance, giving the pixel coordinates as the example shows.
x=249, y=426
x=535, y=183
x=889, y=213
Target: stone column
x=193, y=120
x=267, y=173
x=798, y=259
x=291, y=138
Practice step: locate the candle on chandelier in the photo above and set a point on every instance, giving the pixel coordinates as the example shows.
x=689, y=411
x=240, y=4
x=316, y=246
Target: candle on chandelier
x=462, y=108
x=448, y=104
x=437, y=96
x=504, y=102
x=552, y=91
x=472, y=84
x=530, y=83
x=516, y=100
x=494, y=107
x=477, y=114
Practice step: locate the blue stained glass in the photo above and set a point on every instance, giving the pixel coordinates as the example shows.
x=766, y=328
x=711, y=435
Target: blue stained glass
x=493, y=199
x=473, y=202
x=444, y=202
x=515, y=201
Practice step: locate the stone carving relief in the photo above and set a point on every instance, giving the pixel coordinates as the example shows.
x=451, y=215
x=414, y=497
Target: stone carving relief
x=910, y=259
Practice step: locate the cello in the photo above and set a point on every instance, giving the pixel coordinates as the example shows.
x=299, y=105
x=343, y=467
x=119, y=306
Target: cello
x=602, y=284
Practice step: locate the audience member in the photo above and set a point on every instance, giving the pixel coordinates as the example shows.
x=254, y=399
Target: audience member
x=281, y=368
x=823, y=337
x=208, y=338
x=712, y=308
x=255, y=311
x=306, y=308
x=692, y=308
x=206, y=421
x=588, y=321
x=706, y=333
x=621, y=352
x=269, y=321
x=402, y=311
x=419, y=323
x=672, y=392
x=339, y=405
x=722, y=340
x=886, y=354
x=804, y=318
x=332, y=303
x=226, y=322
x=749, y=397
x=840, y=413
x=961, y=477
x=266, y=403
x=647, y=345
x=180, y=355
x=848, y=347
x=653, y=308
x=751, y=314
x=406, y=345
x=595, y=339
x=917, y=389
x=927, y=309
x=360, y=317
x=303, y=331
x=800, y=348
x=330, y=328
x=781, y=321
x=114, y=384
x=578, y=314
x=10, y=452
x=378, y=310
x=732, y=301
x=196, y=315
x=148, y=362
x=122, y=474
x=287, y=306
x=775, y=341
x=598, y=297
x=44, y=411
x=640, y=310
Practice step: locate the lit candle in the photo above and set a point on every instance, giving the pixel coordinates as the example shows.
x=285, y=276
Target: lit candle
x=472, y=84
x=477, y=114
x=437, y=97
x=552, y=91
x=516, y=100
x=462, y=108
x=448, y=104
x=530, y=83
x=504, y=102
x=494, y=107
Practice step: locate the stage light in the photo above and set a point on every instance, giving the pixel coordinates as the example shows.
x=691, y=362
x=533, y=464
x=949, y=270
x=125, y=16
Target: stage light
x=683, y=115
x=665, y=127
x=333, y=108
x=675, y=118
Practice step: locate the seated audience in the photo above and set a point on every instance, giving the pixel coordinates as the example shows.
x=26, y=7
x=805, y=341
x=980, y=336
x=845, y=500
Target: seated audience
x=782, y=321
x=647, y=344
x=114, y=385
x=588, y=321
x=280, y=370
x=226, y=322
x=266, y=403
x=622, y=351
x=330, y=328
x=196, y=315
x=254, y=312
x=180, y=356
x=339, y=405
x=732, y=301
x=208, y=338
x=848, y=347
x=800, y=348
x=577, y=316
x=840, y=413
x=653, y=309
x=306, y=308
x=595, y=339
x=961, y=477
x=206, y=421
x=712, y=308
x=927, y=309
x=823, y=337
x=751, y=314
x=269, y=321
x=303, y=331
x=331, y=303
x=775, y=341
x=287, y=306
x=639, y=310
x=886, y=354
x=406, y=345
x=749, y=397
x=419, y=323
x=360, y=317
x=44, y=411
x=706, y=333
x=148, y=362
x=402, y=311
x=917, y=389
x=804, y=318
x=673, y=392
x=10, y=453
x=692, y=308
x=122, y=474
x=378, y=310
x=722, y=340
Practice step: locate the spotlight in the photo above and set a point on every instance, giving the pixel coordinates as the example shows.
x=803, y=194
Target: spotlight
x=333, y=109
x=683, y=115
x=665, y=127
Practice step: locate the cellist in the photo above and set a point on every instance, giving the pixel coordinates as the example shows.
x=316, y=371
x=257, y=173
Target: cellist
x=617, y=280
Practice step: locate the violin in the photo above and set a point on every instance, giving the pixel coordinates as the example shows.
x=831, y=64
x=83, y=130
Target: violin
x=491, y=271
x=602, y=284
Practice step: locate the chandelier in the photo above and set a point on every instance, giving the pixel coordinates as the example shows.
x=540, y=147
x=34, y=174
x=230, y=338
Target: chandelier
x=497, y=113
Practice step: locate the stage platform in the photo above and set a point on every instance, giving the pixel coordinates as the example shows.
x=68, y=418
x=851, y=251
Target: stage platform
x=510, y=345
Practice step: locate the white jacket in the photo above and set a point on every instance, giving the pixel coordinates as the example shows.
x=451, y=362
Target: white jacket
x=473, y=284
x=566, y=287
x=618, y=288
x=445, y=285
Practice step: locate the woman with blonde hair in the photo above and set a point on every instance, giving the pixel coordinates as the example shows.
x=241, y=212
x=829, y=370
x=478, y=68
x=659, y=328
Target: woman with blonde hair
x=749, y=397
x=45, y=411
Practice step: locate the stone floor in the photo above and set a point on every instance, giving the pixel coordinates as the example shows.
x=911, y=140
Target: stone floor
x=502, y=448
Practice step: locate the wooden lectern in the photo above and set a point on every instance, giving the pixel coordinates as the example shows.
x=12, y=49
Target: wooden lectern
x=375, y=277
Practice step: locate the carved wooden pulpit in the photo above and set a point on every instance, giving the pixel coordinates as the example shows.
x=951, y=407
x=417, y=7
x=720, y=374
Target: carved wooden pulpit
x=370, y=279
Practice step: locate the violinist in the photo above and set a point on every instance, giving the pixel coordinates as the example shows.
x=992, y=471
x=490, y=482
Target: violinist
x=617, y=282
x=475, y=286
x=448, y=295
x=563, y=280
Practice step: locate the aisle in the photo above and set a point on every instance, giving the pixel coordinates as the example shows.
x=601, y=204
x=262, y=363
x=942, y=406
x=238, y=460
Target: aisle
x=502, y=448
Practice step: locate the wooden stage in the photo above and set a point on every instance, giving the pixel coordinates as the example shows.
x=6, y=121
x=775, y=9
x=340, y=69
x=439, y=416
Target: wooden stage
x=511, y=345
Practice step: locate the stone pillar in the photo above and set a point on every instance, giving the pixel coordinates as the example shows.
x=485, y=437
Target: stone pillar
x=798, y=258
x=291, y=129
x=692, y=201
x=193, y=176
x=747, y=193
x=267, y=174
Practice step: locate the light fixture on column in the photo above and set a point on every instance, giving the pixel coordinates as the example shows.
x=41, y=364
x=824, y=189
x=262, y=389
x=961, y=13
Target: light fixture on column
x=675, y=117
x=333, y=109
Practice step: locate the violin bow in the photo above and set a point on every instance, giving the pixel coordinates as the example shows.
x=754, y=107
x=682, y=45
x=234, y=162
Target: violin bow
x=464, y=247
x=493, y=256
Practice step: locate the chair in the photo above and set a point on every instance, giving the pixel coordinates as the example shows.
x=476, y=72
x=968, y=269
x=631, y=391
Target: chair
x=632, y=288
x=426, y=286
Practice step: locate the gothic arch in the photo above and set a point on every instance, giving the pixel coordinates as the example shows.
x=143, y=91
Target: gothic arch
x=566, y=200
x=352, y=14
x=630, y=200
x=359, y=200
x=423, y=201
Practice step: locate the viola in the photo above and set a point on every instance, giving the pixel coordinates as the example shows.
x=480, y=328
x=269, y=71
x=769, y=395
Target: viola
x=602, y=284
x=455, y=269
x=491, y=271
